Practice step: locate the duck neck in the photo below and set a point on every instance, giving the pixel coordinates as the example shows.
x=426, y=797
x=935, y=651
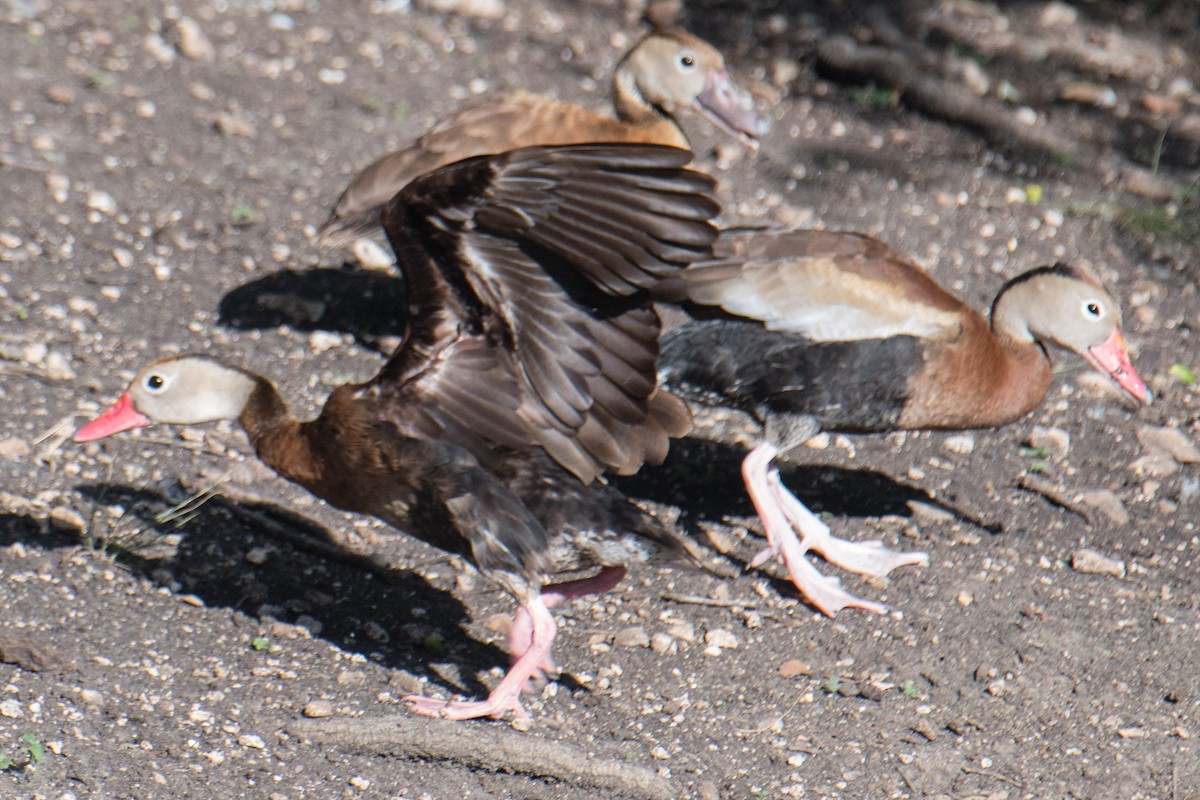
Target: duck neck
x=270, y=426
x=1024, y=373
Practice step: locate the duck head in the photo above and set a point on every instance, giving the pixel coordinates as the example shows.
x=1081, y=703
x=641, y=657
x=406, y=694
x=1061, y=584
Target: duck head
x=669, y=70
x=1065, y=305
x=184, y=390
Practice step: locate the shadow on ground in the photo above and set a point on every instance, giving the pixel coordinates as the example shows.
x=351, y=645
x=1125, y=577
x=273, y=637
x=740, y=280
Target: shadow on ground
x=355, y=301
x=358, y=603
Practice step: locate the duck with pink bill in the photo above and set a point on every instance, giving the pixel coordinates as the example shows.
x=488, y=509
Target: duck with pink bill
x=820, y=330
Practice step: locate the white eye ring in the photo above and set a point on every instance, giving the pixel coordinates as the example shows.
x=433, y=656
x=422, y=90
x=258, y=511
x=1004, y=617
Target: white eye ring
x=686, y=61
x=1093, y=309
x=155, y=383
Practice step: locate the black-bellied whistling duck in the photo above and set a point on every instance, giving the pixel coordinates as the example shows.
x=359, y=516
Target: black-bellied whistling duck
x=528, y=368
x=835, y=331
x=666, y=71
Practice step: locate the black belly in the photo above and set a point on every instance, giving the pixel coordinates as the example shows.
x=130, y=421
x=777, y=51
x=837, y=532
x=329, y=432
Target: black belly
x=858, y=386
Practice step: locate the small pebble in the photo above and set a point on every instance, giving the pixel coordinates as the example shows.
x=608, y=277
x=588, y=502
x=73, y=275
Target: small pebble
x=719, y=637
x=1091, y=562
x=320, y=341
x=101, y=201
x=252, y=741
x=14, y=449
x=481, y=9
x=58, y=368
x=793, y=668
x=1107, y=504
x=258, y=555
x=1058, y=14
x=318, y=709
x=1155, y=465
x=1056, y=440
x=664, y=643
x=632, y=637
x=60, y=93
x=192, y=41
x=963, y=443
x=683, y=631
x=67, y=519
x=1171, y=441
x=371, y=255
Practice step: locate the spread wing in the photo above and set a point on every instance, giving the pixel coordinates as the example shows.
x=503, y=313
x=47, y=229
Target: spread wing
x=530, y=323
x=824, y=285
x=492, y=126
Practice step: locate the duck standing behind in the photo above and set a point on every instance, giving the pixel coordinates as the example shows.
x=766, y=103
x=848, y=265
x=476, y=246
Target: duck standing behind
x=666, y=71
x=483, y=433
x=819, y=330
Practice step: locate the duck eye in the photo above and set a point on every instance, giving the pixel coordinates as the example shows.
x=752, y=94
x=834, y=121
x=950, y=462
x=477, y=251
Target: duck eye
x=1093, y=309
x=687, y=62
x=155, y=383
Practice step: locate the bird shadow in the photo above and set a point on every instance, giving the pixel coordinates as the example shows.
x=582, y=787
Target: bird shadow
x=363, y=303
x=221, y=552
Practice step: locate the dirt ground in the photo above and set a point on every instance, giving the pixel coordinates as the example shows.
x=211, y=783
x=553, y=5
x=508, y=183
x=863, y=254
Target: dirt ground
x=163, y=168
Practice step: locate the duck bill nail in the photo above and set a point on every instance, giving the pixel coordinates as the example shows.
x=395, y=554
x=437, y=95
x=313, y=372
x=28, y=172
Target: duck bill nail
x=723, y=104
x=121, y=416
x=1112, y=358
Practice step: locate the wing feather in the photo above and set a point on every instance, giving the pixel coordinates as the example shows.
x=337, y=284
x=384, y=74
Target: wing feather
x=826, y=286
x=528, y=319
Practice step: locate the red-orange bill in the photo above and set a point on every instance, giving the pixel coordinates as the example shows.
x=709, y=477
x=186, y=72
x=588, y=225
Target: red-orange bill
x=1113, y=359
x=721, y=102
x=121, y=416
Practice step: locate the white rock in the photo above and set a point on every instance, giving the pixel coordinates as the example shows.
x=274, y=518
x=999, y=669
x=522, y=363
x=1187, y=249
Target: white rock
x=372, y=255
x=58, y=368
x=483, y=9
x=192, y=41
x=1057, y=13
x=632, y=637
x=320, y=341
x=1107, y=504
x=683, y=631
x=1093, y=563
x=962, y=443
x=35, y=353
x=1171, y=441
x=720, y=637
x=1155, y=465
x=101, y=201
x=252, y=741
x=158, y=49
x=1056, y=440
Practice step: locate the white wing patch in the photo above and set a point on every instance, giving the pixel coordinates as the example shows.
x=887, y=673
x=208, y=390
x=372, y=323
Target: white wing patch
x=816, y=299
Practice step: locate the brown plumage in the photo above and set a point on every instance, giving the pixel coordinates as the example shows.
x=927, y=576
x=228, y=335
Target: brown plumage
x=812, y=330
x=666, y=71
x=527, y=370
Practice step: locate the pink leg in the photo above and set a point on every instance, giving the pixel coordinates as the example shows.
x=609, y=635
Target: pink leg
x=792, y=530
x=507, y=694
x=520, y=633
